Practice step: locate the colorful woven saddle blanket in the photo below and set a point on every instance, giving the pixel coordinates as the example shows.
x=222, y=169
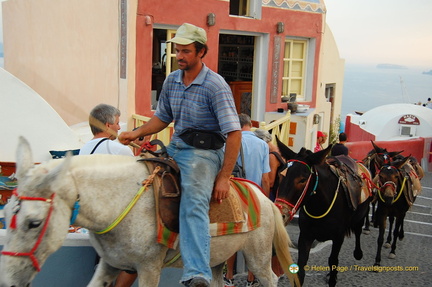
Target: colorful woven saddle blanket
x=238, y=213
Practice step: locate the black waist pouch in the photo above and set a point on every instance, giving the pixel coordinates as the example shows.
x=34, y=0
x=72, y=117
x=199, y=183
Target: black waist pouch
x=203, y=139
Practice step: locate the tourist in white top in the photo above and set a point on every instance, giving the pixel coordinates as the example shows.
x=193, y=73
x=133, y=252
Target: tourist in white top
x=103, y=140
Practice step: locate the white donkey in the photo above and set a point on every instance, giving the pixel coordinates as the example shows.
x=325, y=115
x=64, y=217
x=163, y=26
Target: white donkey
x=42, y=207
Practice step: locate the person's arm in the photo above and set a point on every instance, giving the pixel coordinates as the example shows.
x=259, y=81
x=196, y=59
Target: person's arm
x=265, y=184
x=274, y=164
x=232, y=148
x=154, y=125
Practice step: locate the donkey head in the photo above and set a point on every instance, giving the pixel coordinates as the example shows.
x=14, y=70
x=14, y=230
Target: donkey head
x=297, y=178
x=31, y=216
x=390, y=180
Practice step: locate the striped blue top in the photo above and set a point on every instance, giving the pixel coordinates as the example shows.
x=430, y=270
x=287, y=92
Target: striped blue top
x=206, y=104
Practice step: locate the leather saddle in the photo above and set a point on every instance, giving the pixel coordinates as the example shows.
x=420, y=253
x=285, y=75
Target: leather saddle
x=166, y=187
x=412, y=185
x=348, y=172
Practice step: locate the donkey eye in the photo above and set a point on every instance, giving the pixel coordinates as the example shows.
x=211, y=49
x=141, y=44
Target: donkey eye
x=34, y=224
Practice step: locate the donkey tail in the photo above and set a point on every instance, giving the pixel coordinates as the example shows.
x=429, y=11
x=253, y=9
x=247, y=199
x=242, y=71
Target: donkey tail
x=281, y=243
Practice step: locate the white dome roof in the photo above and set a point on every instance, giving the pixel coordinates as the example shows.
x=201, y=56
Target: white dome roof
x=26, y=113
x=384, y=121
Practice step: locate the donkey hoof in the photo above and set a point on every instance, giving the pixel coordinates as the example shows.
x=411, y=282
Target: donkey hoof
x=366, y=231
x=392, y=255
x=358, y=254
x=386, y=245
x=376, y=267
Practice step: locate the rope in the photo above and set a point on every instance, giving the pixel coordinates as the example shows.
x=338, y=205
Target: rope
x=174, y=259
x=400, y=191
x=330, y=207
x=131, y=204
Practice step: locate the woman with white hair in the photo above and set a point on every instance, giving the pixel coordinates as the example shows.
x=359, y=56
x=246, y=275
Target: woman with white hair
x=276, y=161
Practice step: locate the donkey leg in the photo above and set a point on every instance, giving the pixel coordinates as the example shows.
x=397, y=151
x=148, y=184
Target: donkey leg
x=104, y=275
x=358, y=253
x=401, y=231
x=382, y=225
x=333, y=260
x=149, y=276
x=389, y=236
x=399, y=222
x=217, y=274
x=258, y=262
x=373, y=212
x=304, y=247
x=366, y=229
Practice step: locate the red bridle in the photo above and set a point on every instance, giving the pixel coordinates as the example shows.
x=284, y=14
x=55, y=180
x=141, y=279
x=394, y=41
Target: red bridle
x=30, y=254
x=295, y=207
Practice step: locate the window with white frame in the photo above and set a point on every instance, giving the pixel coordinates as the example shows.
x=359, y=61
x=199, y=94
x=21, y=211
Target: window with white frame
x=247, y=8
x=294, y=68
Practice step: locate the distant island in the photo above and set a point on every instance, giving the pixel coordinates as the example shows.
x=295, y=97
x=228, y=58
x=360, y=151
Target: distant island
x=427, y=73
x=391, y=66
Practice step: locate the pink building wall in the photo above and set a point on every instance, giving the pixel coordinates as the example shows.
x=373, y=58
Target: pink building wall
x=297, y=24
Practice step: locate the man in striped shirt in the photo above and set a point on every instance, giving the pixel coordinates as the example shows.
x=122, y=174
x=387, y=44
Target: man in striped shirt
x=200, y=103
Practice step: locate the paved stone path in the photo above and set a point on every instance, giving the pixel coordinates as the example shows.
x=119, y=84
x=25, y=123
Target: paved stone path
x=411, y=267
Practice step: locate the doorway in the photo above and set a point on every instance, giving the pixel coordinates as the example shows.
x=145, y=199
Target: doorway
x=236, y=62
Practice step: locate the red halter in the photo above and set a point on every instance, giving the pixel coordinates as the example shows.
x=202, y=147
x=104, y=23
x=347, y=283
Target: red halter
x=41, y=235
x=295, y=207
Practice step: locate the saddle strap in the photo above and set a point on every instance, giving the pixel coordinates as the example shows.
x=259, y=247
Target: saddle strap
x=163, y=161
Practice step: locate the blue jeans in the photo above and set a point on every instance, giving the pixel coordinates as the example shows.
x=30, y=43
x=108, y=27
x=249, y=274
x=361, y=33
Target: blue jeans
x=198, y=170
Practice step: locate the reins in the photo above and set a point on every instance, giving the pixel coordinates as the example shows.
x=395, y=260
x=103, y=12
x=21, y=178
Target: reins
x=295, y=207
x=394, y=185
x=131, y=204
x=301, y=198
x=30, y=254
x=75, y=211
x=330, y=207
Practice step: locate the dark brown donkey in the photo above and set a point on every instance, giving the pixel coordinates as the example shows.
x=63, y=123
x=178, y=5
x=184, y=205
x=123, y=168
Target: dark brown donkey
x=331, y=200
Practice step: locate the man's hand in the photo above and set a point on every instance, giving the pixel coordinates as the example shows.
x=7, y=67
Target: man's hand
x=153, y=126
x=221, y=188
x=222, y=181
x=127, y=137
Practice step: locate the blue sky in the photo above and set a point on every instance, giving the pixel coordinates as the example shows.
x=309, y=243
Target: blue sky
x=378, y=31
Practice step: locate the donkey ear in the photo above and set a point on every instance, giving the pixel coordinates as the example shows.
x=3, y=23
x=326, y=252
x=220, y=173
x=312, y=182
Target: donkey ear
x=24, y=157
x=319, y=156
x=399, y=163
x=57, y=173
x=376, y=148
x=395, y=153
x=286, y=152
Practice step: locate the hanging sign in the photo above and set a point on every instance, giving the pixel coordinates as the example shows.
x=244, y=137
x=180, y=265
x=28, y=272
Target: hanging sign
x=409, y=120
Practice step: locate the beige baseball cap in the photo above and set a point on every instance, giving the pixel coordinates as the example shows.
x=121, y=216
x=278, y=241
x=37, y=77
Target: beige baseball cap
x=187, y=34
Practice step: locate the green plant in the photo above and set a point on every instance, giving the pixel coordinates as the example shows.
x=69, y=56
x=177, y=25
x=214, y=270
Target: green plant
x=334, y=130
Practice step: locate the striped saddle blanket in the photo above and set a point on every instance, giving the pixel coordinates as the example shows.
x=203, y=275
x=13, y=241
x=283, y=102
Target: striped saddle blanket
x=238, y=213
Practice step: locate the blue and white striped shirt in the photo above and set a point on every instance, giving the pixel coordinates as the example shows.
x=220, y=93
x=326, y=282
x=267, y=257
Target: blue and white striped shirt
x=206, y=104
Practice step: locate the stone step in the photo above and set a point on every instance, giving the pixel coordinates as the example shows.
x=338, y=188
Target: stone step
x=426, y=191
x=421, y=208
x=417, y=216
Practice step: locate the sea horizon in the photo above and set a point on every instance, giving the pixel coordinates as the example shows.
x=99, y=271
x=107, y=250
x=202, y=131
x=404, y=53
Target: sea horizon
x=367, y=87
